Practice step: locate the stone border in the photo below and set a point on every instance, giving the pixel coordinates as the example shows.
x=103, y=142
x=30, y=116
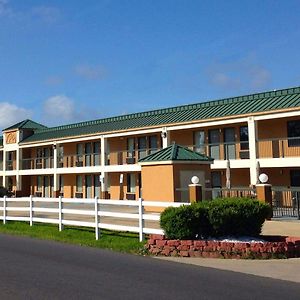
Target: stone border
x=275, y=247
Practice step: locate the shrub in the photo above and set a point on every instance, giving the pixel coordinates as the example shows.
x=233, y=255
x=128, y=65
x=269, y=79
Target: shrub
x=179, y=222
x=220, y=217
x=237, y=216
x=4, y=192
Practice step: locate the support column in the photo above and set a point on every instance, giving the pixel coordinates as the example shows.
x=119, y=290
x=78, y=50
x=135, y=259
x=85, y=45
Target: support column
x=4, y=168
x=104, y=191
x=252, y=135
x=19, y=156
x=103, y=141
x=165, y=135
x=195, y=192
x=56, y=190
x=264, y=193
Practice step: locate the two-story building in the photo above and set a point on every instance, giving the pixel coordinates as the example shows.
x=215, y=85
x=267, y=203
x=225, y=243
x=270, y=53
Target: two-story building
x=246, y=134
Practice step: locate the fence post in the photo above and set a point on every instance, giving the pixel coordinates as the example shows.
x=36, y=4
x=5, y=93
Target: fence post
x=96, y=219
x=30, y=210
x=4, y=210
x=141, y=219
x=60, y=207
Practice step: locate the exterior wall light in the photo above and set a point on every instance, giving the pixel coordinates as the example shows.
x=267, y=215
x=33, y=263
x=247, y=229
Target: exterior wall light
x=195, y=179
x=263, y=178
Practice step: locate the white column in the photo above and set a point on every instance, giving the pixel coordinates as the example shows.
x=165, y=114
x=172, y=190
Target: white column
x=165, y=135
x=18, y=167
x=4, y=169
x=252, y=135
x=103, y=163
x=55, y=175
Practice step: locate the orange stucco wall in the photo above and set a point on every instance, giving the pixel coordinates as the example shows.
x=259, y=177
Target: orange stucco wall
x=157, y=183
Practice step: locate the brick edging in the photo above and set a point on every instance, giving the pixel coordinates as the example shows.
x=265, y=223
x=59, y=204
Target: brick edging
x=275, y=247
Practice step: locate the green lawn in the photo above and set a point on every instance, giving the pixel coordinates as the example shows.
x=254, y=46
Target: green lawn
x=117, y=241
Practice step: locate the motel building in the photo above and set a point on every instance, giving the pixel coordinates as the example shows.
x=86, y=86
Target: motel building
x=154, y=154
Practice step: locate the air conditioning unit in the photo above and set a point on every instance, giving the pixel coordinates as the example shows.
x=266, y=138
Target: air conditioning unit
x=130, y=196
x=130, y=160
x=78, y=195
x=79, y=163
x=244, y=154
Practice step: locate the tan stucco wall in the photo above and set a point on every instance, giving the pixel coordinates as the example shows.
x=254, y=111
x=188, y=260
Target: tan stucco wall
x=69, y=185
x=118, y=191
x=157, y=183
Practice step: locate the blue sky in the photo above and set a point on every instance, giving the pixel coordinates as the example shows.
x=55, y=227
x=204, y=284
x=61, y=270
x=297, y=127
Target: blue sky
x=68, y=61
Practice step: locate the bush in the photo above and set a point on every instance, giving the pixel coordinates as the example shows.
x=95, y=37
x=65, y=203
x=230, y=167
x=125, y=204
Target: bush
x=220, y=217
x=4, y=192
x=237, y=216
x=179, y=222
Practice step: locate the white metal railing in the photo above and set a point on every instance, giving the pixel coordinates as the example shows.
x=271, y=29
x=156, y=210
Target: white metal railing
x=95, y=211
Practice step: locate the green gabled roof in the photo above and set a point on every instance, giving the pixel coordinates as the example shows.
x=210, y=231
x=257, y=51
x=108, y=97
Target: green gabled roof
x=261, y=102
x=175, y=152
x=26, y=124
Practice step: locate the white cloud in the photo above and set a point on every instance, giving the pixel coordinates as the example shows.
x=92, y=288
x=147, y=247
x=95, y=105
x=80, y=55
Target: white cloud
x=239, y=74
x=11, y=114
x=91, y=72
x=59, y=109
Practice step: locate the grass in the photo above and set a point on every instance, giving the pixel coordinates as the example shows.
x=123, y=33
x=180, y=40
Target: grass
x=117, y=241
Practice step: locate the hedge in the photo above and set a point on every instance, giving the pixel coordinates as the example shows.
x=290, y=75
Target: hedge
x=220, y=217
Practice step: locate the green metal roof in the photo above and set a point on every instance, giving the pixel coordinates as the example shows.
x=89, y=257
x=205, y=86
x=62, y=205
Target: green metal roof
x=261, y=102
x=26, y=124
x=175, y=153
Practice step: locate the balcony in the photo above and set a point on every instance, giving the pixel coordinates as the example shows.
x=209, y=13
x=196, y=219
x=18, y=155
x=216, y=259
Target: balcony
x=82, y=160
x=126, y=157
x=37, y=163
x=279, y=148
x=10, y=165
x=223, y=151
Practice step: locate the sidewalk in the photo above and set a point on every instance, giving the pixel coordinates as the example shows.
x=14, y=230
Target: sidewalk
x=284, y=269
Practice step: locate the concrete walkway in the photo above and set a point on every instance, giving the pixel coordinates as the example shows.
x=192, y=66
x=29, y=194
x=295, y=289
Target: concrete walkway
x=284, y=269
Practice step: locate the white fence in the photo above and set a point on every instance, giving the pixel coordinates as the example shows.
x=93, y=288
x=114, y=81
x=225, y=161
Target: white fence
x=35, y=205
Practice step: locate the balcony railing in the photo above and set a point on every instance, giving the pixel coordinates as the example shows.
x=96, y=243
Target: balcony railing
x=10, y=165
x=79, y=160
x=37, y=163
x=279, y=148
x=127, y=157
x=223, y=151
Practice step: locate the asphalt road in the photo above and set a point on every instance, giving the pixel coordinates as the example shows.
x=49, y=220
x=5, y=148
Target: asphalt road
x=34, y=269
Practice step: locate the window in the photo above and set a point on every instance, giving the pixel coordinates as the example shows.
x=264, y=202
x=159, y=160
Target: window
x=96, y=150
x=295, y=177
x=199, y=141
x=97, y=187
x=39, y=183
x=244, y=138
x=79, y=184
x=214, y=143
x=131, y=183
x=130, y=147
x=142, y=146
x=293, y=128
x=61, y=184
x=153, y=143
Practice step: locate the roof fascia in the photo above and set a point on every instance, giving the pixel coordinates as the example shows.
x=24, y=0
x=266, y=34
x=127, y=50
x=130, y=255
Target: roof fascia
x=175, y=162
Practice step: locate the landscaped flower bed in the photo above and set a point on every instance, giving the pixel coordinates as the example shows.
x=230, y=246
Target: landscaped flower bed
x=273, y=247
